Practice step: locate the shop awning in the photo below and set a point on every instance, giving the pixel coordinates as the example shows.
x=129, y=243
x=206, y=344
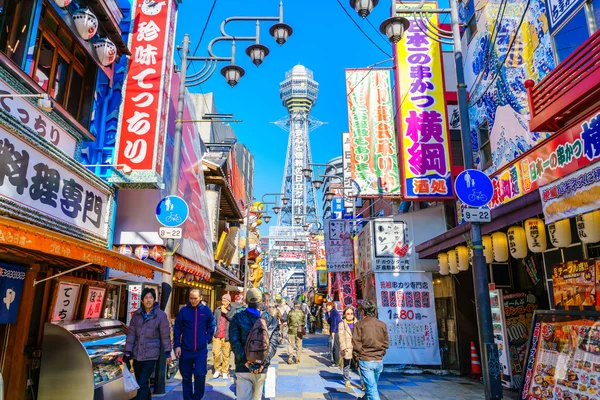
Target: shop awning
x=41, y=245
x=508, y=214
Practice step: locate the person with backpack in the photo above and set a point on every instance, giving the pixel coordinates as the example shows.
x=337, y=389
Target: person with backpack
x=283, y=311
x=296, y=331
x=254, y=338
x=193, y=331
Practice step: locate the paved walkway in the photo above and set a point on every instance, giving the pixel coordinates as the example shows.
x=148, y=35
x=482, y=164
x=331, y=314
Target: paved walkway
x=314, y=379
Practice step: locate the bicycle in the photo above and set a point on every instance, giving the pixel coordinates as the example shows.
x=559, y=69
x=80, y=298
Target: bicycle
x=477, y=196
x=173, y=218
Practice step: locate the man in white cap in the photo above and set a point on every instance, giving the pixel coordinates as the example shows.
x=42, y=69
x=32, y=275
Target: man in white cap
x=221, y=347
x=250, y=377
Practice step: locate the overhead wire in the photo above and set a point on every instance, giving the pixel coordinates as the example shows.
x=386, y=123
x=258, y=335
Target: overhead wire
x=362, y=30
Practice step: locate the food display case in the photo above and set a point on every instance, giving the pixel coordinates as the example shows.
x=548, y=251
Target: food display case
x=80, y=361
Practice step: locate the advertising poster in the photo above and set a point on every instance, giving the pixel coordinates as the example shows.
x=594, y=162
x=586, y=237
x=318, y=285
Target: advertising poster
x=563, y=359
x=518, y=312
x=406, y=304
x=574, y=283
x=338, y=245
x=347, y=289
x=391, y=246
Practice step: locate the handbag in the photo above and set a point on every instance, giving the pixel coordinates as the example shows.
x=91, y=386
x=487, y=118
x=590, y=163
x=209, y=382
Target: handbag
x=129, y=382
x=301, y=331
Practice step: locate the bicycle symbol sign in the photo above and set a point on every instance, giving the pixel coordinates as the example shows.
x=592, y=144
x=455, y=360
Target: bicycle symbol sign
x=474, y=188
x=172, y=211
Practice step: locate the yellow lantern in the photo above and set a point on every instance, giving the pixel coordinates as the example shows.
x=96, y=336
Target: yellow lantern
x=452, y=262
x=500, y=246
x=560, y=233
x=488, y=250
x=588, y=227
x=535, y=231
x=462, y=258
x=517, y=242
x=443, y=263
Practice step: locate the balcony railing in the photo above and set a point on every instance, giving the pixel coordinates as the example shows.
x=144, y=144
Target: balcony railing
x=568, y=90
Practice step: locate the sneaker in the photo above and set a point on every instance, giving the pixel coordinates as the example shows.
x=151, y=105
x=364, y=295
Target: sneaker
x=290, y=362
x=297, y=361
x=225, y=375
x=216, y=375
x=348, y=384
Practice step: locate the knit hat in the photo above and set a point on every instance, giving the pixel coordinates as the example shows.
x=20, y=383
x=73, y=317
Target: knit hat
x=226, y=297
x=253, y=295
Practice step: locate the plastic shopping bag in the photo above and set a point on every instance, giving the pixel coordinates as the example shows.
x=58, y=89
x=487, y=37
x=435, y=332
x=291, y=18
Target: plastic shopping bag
x=129, y=382
x=270, y=383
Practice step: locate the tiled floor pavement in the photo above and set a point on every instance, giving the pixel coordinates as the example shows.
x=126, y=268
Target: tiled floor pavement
x=314, y=379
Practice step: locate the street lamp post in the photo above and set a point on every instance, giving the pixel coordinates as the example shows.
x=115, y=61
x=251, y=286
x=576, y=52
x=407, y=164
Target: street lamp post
x=394, y=27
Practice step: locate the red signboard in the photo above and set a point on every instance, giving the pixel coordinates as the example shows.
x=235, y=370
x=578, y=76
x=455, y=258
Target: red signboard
x=143, y=113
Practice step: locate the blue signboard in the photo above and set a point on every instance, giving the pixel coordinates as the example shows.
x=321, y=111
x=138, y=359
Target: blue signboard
x=172, y=211
x=558, y=11
x=474, y=188
x=11, y=290
x=337, y=208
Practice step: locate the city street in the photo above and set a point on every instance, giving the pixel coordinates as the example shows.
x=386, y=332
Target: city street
x=314, y=379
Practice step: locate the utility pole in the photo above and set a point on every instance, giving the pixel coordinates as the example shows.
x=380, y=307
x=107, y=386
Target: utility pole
x=248, y=200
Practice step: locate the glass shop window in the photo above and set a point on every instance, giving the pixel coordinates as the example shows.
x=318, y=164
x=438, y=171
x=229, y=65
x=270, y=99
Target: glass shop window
x=14, y=26
x=62, y=68
x=485, y=147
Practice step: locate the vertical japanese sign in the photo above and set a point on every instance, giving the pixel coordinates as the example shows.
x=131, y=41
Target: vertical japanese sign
x=145, y=94
x=518, y=313
x=373, y=148
x=134, y=297
x=423, y=117
x=406, y=305
x=12, y=278
x=338, y=245
x=65, y=301
x=347, y=169
x=93, y=302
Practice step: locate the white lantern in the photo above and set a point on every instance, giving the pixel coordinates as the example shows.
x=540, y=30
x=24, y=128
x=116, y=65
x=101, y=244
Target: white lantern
x=535, y=231
x=517, y=242
x=452, y=262
x=462, y=258
x=106, y=51
x=560, y=233
x=500, y=246
x=86, y=23
x=62, y=3
x=443, y=263
x=488, y=250
x=588, y=227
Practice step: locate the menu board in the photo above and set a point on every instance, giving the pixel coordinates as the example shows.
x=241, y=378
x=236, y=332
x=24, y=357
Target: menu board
x=574, y=283
x=563, y=360
x=499, y=327
x=518, y=312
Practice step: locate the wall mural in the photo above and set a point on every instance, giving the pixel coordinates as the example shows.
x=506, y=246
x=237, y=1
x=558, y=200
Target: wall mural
x=496, y=85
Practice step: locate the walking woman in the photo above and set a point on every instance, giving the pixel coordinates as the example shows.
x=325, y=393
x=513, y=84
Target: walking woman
x=148, y=329
x=345, y=335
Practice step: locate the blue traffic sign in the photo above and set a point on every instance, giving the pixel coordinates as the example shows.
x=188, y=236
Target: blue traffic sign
x=474, y=188
x=172, y=211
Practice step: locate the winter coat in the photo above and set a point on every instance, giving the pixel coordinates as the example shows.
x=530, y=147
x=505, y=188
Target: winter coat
x=230, y=312
x=345, y=335
x=333, y=319
x=144, y=337
x=194, y=329
x=296, y=318
x=239, y=329
x=370, y=339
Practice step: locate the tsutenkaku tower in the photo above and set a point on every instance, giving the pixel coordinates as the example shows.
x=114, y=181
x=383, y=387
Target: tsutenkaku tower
x=298, y=93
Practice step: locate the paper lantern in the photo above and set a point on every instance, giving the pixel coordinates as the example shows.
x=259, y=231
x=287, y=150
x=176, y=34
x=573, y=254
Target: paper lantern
x=157, y=253
x=443, y=263
x=559, y=233
x=517, y=242
x=488, y=250
x=535, y=232
x=62, y=3
x=452, y=262
x=86, y=23
x=125, y=250
x=106, y=51
x=588, y=227
x=462, y=258
x=500, y=246
x=142, y=252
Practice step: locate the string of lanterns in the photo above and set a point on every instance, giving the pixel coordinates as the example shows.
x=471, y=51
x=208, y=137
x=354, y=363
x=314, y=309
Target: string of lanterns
x=86, y=24
x=518, y=241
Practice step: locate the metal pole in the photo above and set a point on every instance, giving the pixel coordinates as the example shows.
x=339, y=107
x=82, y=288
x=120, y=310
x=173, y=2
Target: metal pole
x=248, y=197
x=167, y=279
x=489, y=351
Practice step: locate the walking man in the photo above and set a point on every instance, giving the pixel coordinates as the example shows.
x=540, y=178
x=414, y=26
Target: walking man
x=221, y=347
x=296, y=321
x=250, y=377
x=333, y=319
x=369, y=343
x=283, y=311
x=194, y=330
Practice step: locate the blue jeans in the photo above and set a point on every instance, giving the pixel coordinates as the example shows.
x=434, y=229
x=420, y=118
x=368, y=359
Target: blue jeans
x=143, y=371
x=193, y=365
x=370, y=371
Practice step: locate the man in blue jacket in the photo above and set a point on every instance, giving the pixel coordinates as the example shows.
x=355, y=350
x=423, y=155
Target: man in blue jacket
x=194, y=329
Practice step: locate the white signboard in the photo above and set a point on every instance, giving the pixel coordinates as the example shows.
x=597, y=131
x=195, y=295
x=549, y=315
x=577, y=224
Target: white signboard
x=338, y=245
x=476, y=214
x=364, y=252
x=66, y=301
x=347, y=170
x=406, y=305
x=392, y=247
x=134, y=299
x=167, y=232
x=31, y=178
x=33, y=118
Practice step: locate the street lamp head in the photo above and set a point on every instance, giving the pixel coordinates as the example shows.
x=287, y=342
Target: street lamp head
x=363, y=7
x=317, y=183
x=276, y=209
x=285, y=200
x=394, y=28
x=305, y=227
x=298, y=219
x=329, y=196
x=267, y=218
x=232, y=74
x=281, y=32
x=306, y=172
x=45, y=103
x=257, y=53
